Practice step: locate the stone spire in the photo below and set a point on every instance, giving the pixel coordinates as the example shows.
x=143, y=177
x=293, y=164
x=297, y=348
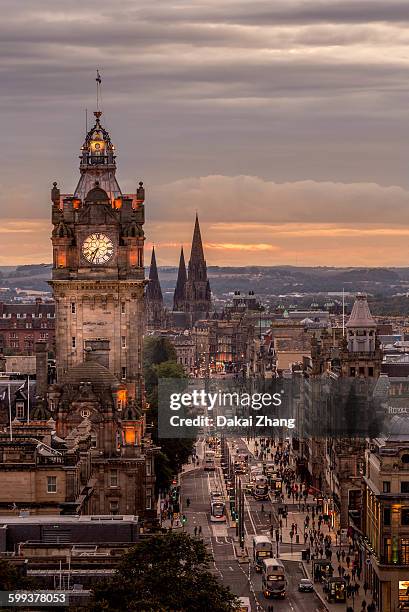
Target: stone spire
x=198, y=295
x=154, y=291
x=155, y=314
x=179, y=297
x=197, y=254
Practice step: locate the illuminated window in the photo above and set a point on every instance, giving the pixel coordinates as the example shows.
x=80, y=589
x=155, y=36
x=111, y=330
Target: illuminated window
x=51, y=484
x=130, y=435
x=121, y=396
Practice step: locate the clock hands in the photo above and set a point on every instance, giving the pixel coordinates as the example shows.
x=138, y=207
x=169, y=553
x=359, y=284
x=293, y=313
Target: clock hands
x=94, y=253
x=98, y=248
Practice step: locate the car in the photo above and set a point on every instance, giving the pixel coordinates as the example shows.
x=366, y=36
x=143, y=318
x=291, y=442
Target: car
x=306, y=585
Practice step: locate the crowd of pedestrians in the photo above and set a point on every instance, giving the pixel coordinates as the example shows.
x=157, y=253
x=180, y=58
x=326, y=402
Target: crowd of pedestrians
x=314, y=527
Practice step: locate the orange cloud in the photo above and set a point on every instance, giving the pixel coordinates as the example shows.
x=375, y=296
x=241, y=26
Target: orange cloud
x=228, y=246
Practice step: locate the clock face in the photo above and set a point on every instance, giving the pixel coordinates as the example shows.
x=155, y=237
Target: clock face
x=98, y=248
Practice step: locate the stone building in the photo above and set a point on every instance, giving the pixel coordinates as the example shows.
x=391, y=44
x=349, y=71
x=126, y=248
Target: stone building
x=98, y=284
x=40, y=473
x=22, y=325
x=340, y=378
x=384, y=545
x=98, y=274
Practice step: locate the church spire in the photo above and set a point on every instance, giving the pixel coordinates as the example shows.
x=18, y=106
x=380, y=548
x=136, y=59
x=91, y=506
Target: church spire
x=155, y=313
x=154, y=291
x=198, y=294
x=180, y=290
x=197, y=254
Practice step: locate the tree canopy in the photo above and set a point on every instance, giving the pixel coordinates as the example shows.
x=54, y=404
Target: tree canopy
x=160, y=362
x=162, y=573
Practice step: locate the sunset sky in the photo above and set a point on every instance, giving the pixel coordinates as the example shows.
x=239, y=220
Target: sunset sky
x=284, y=123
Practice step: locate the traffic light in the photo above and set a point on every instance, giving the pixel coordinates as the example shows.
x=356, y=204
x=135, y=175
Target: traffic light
x=184, y=519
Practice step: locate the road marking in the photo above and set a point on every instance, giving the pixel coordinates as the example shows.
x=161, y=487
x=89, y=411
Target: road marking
x=247, y=505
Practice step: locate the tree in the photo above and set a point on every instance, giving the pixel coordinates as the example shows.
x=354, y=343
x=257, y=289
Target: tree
x=160, y=362
x=162, y=573
x=11, y=578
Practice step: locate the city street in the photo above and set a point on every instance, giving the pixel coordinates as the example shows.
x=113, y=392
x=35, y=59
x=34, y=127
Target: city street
x=220, y=538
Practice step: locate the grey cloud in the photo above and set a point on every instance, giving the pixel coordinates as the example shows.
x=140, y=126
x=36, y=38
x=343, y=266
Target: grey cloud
x=251, y=199
x=230, y=87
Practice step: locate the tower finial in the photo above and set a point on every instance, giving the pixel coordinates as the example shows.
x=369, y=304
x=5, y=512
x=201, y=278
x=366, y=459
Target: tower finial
x=99, y=81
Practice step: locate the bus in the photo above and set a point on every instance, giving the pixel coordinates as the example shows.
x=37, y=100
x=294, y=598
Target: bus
x=262, y=549
x=217, y=511
x=274, y=581
x=260, y=489
x=209, y=461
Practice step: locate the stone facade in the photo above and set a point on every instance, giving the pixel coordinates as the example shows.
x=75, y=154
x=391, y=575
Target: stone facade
x=98, y=284
x=22, y=325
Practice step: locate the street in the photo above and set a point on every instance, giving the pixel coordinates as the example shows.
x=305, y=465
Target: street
x=220, y=539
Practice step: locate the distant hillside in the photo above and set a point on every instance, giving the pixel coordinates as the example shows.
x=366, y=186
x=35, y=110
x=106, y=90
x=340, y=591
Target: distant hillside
x=264, y=280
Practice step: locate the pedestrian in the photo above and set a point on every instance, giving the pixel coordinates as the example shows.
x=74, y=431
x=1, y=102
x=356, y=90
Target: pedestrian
x=262, y=508
x=363, y=606
x=187, y=502
x=339, y=570
x=200, y=530
x=195, y=530
x=348, y=560
x=343, y=555
x=365, y=587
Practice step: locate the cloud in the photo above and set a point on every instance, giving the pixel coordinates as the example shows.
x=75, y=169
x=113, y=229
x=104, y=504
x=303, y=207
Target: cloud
x=223, y=199
x=228, y=246
x=293, y=113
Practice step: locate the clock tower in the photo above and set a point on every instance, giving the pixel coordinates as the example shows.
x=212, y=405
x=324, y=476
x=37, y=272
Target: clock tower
x=98, y=268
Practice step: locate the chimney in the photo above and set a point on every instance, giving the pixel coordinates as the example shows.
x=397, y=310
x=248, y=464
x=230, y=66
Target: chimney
x=41, y=368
